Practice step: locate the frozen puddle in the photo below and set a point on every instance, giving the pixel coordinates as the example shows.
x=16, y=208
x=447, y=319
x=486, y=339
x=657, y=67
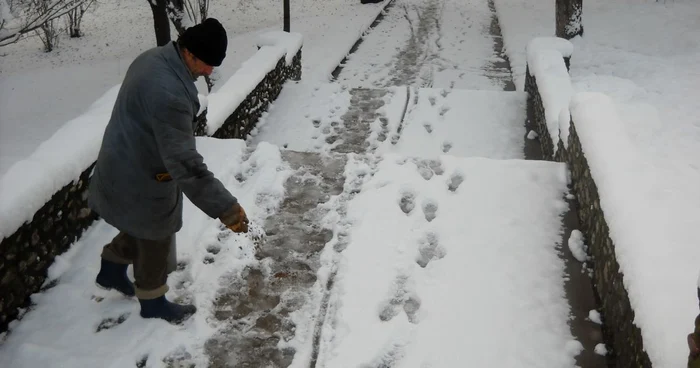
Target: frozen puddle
x=458, y=268
x=463, y=123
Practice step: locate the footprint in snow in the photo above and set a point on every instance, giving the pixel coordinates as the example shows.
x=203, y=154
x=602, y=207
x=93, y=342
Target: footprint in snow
x=395, y=139
x=110, y=322
x=429, y=249
x=428, y=127
x=316, y=123
x=407, y=202
x=385, y=129
x=444, y=109
x=455, y=181
x=444, y=93
x=446, y=146
x=424, y=169
x=182, y=265
x=432, y=100
x=401, y=298
x=141, y=363
x=430, y=208
x=436, y=166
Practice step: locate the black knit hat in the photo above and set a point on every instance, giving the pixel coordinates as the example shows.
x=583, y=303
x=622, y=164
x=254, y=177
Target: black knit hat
x=207, y=41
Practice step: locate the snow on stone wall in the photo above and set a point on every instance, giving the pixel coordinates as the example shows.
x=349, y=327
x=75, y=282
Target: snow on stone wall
x=43, y=201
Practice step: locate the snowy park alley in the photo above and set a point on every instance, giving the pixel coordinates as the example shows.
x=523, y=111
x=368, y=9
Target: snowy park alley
x=408, y=219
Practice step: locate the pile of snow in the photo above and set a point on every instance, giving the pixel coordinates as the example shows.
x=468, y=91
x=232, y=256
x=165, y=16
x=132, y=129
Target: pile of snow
x=600, y=349
x=273, y=46
x=577, y=246
x=545, y=62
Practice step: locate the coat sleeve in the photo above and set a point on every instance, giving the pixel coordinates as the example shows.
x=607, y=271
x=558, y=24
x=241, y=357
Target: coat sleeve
x=172, y=127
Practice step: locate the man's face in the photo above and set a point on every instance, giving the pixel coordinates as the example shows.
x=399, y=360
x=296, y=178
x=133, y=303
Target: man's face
x=197, y=67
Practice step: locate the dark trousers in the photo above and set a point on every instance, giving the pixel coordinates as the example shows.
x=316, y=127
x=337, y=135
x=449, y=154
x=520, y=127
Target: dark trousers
x=150, y=260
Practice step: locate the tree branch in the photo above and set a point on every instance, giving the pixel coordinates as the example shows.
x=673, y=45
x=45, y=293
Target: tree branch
x=54, y=10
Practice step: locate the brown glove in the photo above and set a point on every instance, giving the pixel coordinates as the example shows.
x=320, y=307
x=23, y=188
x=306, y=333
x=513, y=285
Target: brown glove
x=235, y=219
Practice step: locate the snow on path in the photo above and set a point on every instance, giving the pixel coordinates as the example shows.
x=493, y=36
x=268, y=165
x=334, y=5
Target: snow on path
x=428, y=43
x=68, y=327
x=458, y=270
x=463, y=123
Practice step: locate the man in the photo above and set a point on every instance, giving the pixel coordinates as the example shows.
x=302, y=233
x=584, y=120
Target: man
x=148, y=159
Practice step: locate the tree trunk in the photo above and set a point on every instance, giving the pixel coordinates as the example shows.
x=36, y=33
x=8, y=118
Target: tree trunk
x=569, y=23
x=176, y=11
x=161, y=23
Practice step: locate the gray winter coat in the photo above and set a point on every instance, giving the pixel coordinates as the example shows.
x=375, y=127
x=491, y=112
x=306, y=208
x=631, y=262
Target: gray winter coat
x=150, y=132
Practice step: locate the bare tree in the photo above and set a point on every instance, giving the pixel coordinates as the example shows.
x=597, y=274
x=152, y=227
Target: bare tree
x=75, y=17
x=161, y=25
x=186, y=13
x=33, y=15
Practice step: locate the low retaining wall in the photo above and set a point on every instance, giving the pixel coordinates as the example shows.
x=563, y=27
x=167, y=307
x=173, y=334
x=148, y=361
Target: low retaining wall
x=621, y=333
x=245, y=117
x=26, y=254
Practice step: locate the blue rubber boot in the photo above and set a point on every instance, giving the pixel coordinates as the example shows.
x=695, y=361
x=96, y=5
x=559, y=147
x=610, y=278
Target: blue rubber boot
x=113, y=276
x=163, y=309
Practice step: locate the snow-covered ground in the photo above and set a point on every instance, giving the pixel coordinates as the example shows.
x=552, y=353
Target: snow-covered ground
x=73, y=323
x=642, y=141
x=442, y=244
x=466, y=262
x=441, y=44
x=40, y=92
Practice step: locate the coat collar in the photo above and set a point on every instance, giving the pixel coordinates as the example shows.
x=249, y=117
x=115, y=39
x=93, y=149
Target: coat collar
x=174, y=59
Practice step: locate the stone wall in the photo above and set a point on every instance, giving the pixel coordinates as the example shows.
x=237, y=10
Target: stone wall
x=621, y=333
x=245, y=117
x=26, y=255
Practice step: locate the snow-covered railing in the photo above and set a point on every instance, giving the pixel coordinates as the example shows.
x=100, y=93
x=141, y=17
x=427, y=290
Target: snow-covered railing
x=235, y=108
x=554, y=111
x=43, y=198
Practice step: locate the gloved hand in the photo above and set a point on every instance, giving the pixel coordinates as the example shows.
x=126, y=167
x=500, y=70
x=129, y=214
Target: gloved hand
x=235, y=219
